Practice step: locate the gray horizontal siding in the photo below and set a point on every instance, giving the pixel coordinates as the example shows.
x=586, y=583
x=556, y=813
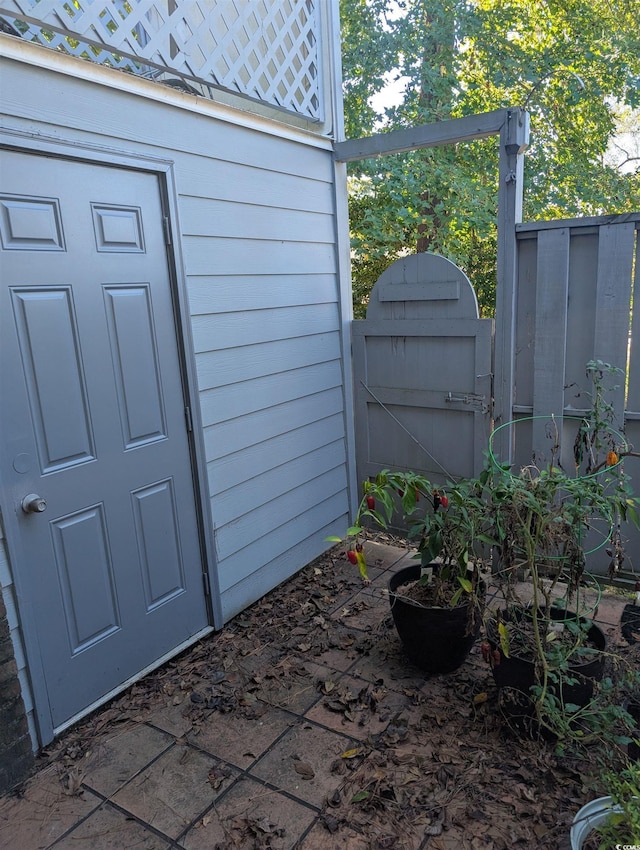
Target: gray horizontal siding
x=255, y=184
x=259, y=256
x=218, y=368
x=280, y=568
x=250, y=427
x=256, y=233
x=219, y=218
x=259, y=292
x=263, y=294
x=233, y=469
x=251, y=494
x=241, y=566
x=260, y=261
x=249, y=327
x=256, y=526
x=225, y=404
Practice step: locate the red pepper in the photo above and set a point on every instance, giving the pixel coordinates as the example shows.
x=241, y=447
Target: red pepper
x=351, y=555
x=371, y=503
x=444, y=501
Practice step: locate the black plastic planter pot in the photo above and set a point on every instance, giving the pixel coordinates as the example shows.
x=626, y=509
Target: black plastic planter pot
x=437, y=640
x=515, y=675
x=632, y=706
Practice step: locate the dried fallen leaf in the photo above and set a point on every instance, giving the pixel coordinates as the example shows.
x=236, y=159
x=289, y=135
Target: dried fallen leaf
x=527, y=793
x=436, y=827
x=215, y=779
x=264, y=826
x=335, y=799
x=350, y=754
x=71, y=781
x=304, y=769
x=331, y=824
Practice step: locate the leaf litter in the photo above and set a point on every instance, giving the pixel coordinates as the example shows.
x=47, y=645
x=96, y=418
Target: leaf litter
x=444, y=772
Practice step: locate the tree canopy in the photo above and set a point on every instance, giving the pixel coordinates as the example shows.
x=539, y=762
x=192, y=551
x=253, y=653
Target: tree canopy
x=573, y=64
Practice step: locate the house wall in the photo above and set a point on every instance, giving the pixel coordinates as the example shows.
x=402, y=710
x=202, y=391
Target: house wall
x=17, y=730
x=259, y=261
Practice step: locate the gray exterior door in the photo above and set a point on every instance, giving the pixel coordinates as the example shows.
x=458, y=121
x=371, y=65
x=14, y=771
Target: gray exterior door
x=106, y=560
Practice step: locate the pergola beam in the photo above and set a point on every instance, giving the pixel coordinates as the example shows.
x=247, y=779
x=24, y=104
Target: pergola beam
x=426, y=136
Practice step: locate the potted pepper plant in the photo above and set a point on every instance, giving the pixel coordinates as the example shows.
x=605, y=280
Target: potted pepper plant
x=437, y=602
x=545, y=651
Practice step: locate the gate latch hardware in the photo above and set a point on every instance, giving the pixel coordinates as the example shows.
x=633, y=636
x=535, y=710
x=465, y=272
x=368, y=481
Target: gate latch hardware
x=473, y=399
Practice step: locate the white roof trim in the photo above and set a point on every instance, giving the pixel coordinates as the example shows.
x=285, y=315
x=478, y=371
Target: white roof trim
x=235, y=110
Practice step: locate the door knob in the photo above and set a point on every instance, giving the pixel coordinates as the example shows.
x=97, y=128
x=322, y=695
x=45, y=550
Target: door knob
x=33, y=504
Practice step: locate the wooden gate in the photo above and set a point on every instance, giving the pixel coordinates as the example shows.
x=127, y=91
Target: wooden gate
x=422, y=364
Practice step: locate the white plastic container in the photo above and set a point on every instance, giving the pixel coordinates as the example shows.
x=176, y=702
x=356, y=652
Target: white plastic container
x=590, y=816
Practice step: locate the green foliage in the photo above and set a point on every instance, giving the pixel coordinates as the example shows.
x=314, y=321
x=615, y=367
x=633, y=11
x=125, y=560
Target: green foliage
x=541, y=517
x=449, y=524
x=574, y=64
x=623, y=827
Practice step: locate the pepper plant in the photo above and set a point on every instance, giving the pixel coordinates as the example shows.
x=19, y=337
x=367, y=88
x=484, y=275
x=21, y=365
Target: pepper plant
x=449, y=524
x=545, y=521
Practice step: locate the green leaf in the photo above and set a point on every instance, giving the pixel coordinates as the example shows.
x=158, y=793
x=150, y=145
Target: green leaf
x=632, y=513
x=466, y=584
x=456, y=597
x=362, y=564
x=360, y=796
x=503, y=634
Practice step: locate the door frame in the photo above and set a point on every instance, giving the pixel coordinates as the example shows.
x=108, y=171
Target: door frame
x=164, y=171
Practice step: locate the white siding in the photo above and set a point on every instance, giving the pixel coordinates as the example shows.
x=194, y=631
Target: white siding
x=257, y=242
x=8, y=595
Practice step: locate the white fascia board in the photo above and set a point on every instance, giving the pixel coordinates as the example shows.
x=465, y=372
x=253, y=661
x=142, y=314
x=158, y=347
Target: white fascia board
x=236, y=111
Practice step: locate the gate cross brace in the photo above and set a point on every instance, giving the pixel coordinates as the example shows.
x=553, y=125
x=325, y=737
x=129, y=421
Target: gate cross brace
x=405, y=429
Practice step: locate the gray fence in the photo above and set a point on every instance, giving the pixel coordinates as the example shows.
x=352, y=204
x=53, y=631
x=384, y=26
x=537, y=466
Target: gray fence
x=423, y=402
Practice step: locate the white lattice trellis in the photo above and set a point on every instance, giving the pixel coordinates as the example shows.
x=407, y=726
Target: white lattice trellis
x=265, y=49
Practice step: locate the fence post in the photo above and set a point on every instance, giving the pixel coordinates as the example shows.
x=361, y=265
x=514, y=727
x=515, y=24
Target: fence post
x=514, y=139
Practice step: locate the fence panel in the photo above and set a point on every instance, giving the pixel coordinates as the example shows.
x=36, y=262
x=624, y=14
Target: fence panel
x=574, y=304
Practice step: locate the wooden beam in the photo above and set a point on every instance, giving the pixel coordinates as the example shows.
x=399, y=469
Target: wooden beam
x=514, y=138
x=424, y=136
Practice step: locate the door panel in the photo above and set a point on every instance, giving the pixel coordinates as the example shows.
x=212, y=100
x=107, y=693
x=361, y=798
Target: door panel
x=88, y=596
x=135, y=364
x=55, y=387
x=109, y=576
